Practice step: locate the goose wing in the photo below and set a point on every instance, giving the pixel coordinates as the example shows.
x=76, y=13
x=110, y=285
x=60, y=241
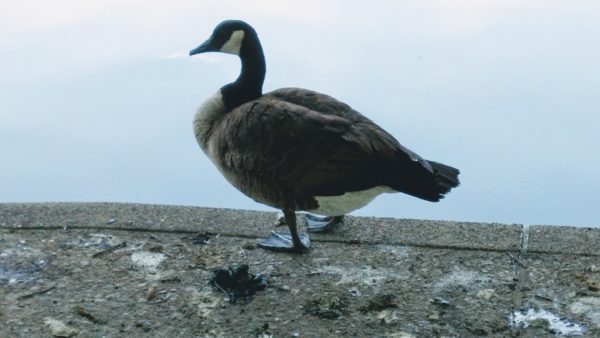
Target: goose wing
x=315, y=145
x=367, y=133
x=275, y=139
x=408, y=172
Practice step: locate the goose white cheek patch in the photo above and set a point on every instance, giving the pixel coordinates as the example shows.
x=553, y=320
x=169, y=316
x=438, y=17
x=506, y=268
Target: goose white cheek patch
x=233, y=45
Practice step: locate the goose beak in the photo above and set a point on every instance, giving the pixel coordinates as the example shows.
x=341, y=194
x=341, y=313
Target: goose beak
x=203, y=48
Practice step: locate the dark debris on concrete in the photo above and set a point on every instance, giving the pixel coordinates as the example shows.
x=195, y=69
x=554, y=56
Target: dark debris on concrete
x=237, y=283
x=114, y=270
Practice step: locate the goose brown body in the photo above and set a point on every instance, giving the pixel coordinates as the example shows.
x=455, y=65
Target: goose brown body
x=291, y=145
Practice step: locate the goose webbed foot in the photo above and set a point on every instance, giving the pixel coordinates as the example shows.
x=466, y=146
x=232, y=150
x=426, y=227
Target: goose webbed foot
x=317, y=224
x=287, y=242
x=283, y=242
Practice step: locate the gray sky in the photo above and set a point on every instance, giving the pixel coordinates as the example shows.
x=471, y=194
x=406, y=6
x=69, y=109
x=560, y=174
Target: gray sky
x=97, y=97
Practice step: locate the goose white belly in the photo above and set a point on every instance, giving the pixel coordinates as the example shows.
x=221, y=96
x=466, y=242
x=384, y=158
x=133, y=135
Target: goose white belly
x=348, y=202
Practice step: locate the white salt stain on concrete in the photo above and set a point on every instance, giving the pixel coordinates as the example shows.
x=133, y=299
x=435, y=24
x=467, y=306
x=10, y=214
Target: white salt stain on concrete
x=205, y=300
x=590, y=306
x=367, y=275
x=147, y=260
x=59, y=329
x=464, y=278
x=562, y=326
x=399, y=252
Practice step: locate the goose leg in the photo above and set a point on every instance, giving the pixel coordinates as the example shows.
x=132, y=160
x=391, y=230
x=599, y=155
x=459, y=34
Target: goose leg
x=318, y=224
x=287, y=242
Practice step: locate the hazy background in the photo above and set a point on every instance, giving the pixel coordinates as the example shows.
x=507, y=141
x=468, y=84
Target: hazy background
x=97, y=97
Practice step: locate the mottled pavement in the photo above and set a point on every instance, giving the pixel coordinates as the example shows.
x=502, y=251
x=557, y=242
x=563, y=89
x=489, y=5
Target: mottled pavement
x=132, y=270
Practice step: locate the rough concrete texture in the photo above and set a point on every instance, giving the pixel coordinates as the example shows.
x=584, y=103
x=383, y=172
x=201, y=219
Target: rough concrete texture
x=115, y=270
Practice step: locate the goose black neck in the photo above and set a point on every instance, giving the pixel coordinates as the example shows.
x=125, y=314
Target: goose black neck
x=248, y=85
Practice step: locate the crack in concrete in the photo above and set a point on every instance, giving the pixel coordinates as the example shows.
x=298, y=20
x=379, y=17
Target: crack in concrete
x=521, y=269
x=238, y=235
x=524, y=241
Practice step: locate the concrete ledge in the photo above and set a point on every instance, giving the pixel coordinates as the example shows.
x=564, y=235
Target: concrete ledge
x=256, y=224
x=135, y=270
x=570, y=240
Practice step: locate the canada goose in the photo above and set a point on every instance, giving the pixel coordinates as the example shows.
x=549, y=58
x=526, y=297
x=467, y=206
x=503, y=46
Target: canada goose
x=299, y=150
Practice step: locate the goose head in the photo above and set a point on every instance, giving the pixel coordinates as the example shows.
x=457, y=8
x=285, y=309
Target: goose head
x=238, y=38
x=228, y=37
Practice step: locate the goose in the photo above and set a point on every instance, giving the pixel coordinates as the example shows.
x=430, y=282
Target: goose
x=299, y=150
